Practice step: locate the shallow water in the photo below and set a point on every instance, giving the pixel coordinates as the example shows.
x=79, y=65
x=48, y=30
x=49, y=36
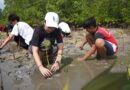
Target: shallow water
x=112, y=80
x=109, y=81
x=69, y=74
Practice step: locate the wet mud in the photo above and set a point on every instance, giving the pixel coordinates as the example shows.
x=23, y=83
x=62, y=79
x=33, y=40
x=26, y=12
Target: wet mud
x=19, y=72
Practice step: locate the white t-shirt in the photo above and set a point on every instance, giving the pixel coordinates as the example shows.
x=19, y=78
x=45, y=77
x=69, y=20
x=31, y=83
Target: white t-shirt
x=64, y=27
x=24, y=30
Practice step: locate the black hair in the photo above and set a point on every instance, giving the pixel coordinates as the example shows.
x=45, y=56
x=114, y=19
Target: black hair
x=9, y=27
x=90, y=22
x=13, y=17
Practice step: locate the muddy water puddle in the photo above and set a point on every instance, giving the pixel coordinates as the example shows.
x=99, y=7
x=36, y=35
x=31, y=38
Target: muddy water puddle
x=109, y=81
x=114, y=78
x=74, y=76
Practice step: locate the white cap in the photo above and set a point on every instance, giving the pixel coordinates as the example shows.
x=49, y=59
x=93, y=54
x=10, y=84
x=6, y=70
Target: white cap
x=52, y=19
x=64, y=27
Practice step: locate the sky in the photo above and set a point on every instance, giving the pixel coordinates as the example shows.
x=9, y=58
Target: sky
x=1, y=4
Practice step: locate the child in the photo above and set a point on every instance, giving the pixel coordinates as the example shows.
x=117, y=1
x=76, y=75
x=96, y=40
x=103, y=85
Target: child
x=99, y=39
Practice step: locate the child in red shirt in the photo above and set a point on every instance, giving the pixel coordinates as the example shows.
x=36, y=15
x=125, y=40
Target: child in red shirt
x=100, y=40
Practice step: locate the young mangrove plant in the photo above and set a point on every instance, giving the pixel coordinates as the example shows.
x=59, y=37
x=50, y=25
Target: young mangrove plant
x=47, y=44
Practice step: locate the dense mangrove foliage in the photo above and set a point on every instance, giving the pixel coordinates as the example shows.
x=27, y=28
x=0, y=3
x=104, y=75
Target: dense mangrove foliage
x=74, y=12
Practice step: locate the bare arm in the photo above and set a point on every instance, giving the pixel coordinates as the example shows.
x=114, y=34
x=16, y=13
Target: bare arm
x=56, y=65
x=45, y=72
x=84, y=42
x=7, y=40
x=82, y=45
x=36, y=55
x=60, y=52
x=89, y=53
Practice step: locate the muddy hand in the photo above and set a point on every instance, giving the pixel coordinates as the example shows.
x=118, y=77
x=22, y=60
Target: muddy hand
x=45, y=72
x=55, y=67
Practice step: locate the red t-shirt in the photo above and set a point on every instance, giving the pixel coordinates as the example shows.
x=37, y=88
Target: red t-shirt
x=106, y=35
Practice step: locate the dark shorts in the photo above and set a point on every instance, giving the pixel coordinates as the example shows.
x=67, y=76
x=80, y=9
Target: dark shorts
x=20, y=42
x=109, y=48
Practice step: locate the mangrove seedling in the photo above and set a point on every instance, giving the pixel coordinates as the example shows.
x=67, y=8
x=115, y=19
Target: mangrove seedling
x=47, y=44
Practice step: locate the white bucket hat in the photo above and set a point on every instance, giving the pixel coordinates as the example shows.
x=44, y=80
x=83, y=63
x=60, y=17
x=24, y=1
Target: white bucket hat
x=52, y=19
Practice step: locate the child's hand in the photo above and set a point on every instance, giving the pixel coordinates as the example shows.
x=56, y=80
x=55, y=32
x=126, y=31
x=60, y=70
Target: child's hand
x=45, y=72
x=81, y=47
x=55, y=67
